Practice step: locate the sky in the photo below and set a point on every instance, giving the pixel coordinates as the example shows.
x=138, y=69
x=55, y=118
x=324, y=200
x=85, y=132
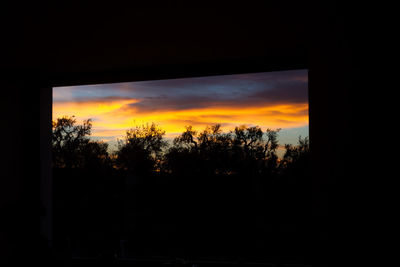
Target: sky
x=268, y=100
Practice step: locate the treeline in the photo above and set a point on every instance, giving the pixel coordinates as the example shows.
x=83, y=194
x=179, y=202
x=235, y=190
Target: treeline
x=144, y=150
x=205, y=194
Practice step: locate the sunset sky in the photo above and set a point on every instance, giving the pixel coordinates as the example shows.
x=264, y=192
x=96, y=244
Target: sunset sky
x=269, y=100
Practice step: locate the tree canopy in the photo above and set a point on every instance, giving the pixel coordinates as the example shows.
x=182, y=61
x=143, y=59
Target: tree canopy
x=144, y=149
x=140, y=151
x=72, y=147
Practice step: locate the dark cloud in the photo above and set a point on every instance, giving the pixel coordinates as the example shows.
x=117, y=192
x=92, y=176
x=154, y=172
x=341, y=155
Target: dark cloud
x=240, y=91
x=289, y=92
x=222, y=81
x=293, y=92
x=171, y=103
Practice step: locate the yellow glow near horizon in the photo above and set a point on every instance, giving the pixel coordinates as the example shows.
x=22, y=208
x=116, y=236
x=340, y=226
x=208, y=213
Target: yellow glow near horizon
x=113, y=118
x=88, y=109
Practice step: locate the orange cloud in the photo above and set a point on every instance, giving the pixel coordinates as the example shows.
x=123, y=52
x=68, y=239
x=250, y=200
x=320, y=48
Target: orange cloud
x=88, y=109
x=112, y=118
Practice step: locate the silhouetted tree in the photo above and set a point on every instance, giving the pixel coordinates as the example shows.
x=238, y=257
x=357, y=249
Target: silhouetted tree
x=85, y=188
x=214, y=149
x=72, y=147
x=249, y=138
x=206, y=152
x=187, y=138
x=141, y=150
x=270, y=147
x=295, y=163
x=182, y=156
x=254, y=149
x=295, y=153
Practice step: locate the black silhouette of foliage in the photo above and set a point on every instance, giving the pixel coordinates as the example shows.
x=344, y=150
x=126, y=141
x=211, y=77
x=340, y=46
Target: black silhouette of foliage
x=254, y=149
x=85, y=187
x=153, y=194
x=187, y=138
x=296, y=158
x=296, y=153
x=72, y=147
x=141, y=150
x=212, y=151
x=183, y=155
x=214, y=148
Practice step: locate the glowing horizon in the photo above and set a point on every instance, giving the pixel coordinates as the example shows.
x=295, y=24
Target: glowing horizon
x=269, y=100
